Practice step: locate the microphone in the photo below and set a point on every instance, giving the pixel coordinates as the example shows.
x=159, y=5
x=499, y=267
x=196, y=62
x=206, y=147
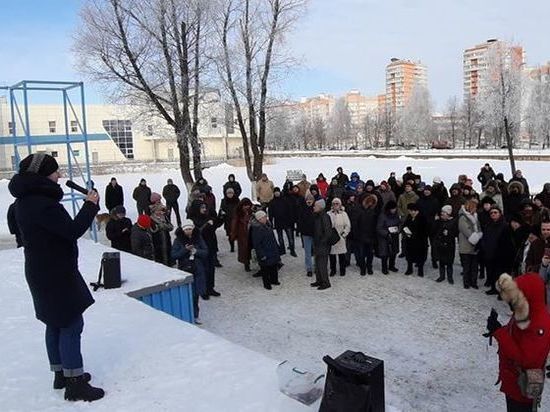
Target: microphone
x=77, y=187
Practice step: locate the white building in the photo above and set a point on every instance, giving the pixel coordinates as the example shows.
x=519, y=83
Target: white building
x=120, y=133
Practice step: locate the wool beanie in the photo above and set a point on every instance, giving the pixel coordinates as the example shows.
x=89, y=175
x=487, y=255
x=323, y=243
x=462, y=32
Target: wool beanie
x=447, y=209
x=40, y=163
x=321, y=203
x=259, y=214
x=187, y=224
x=144, y=221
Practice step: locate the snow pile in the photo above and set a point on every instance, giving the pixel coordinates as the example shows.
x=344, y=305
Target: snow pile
x=146, y=360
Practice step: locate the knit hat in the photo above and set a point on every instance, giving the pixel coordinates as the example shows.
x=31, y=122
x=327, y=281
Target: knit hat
x=516, y=217
x=144, y=221
x=336, y=201
x=155, y=197
x=321, y=203
x=309, y=196
x=277, y=189
x=437, y=180
x=230, y=189
x=40, y=163
x=119, y=210
x=260, y=214
x=448, y=209
x=187, y=224
x=428, y=187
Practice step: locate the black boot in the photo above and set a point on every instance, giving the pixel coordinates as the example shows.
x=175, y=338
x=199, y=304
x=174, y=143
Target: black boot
x=434, y=264
x=421, y=270
x=409, y=270
x=232, y=245
x=79, y=390
x=60, y=381
x=293, y=253
x=441, y=277
x=247, y=267
x=309, y=274
x=392, y=264
x=212, y=292
x=332, y=272
x=385, y=266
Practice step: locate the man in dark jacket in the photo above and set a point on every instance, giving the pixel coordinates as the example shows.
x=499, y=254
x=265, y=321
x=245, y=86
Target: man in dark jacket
x=439, y=191
x=365, y=233
x=281, y=216
x=429, y=208
x=513, y=202
x=118, y=230
x=341, y=177
x=114, y=196
x=12, y=225
x=306, y=222
x=267, y=250
x=59, y=292
x=518, y=177
x=485, y=175
x=171, y=194
x=321, y=245
x=233, y=184
x=142, y=196
x=409, y=175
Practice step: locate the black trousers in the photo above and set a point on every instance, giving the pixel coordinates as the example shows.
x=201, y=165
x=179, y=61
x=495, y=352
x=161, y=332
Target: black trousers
x=321, y=272
x=341, y=263
x=494, y=269
x=469, y=269
x=515, y=406
x=281, y=240
x=270, y=274
x=175, y=207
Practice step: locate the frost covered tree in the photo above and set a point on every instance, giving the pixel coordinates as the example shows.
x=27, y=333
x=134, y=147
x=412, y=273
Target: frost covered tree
x=416, y=121
x=538, y=112
x=471, y=119
x=279, y=133
x=452, y=112
x=500, y=96
x=150, y=54
x=339, y=124
x=252, y=37
x=319, y=132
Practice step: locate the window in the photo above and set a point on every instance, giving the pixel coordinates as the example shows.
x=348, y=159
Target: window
x=51, y=125
x=10, y=128
x=214, y=122
x=149, y=130
x=54, y=154
x=76, y=153
x=74, y=126
x=121, y=133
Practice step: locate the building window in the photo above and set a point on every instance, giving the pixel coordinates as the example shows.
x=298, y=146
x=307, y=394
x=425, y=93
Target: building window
x=54, y=154
x=214, y=122
x=51, y=126
x=121, y=133
x=11, y=130
x=149, y=131
x=74, y=126
x=76, y=153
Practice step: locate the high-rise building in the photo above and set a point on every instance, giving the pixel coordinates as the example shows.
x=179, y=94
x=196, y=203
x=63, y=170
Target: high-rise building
x=360, y=106
x=318, y=107
x=476, y=63
x=401, y=78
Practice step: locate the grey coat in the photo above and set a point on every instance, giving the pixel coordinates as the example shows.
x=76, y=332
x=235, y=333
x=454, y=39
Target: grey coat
x=467, y=225
x=388, y=243
x=322, y=229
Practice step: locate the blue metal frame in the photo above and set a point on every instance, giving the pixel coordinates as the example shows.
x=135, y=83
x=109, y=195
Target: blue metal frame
x=29, y=140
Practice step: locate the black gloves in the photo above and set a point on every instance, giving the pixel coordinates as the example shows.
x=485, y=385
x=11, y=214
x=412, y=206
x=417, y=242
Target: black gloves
x=492, y=324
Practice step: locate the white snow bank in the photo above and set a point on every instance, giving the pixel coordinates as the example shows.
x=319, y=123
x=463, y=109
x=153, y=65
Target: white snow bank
x=146, y=360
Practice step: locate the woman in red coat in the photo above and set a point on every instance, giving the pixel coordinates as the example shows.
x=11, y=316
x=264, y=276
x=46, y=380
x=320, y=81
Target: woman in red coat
x=239, y=231
x=524, y=342
x=322, y=184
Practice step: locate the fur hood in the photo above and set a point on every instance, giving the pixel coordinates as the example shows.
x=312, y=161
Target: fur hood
x=526, y=295
x=517, y=185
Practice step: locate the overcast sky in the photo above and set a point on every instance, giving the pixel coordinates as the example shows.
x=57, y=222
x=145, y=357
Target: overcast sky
x=343, y=44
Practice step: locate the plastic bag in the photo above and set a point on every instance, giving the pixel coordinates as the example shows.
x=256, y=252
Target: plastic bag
x=305, y=387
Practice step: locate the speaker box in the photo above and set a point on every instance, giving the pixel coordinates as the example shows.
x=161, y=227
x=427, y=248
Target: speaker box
x=110, y=266
x=354, y=383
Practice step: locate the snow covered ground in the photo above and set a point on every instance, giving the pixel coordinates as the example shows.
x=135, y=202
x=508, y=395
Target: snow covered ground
x=145, y=360
x=428, y=334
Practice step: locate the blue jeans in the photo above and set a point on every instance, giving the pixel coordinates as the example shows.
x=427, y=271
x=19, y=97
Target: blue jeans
x=308, y=246
x=63, y=347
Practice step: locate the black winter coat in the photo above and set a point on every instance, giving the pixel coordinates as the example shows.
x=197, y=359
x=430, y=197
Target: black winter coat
x=417, y=243
x=342, y=179
x=388, y=243
x=445, y=233
x=12, y=225
x=142, y=243
x=440, y=192
x=236, y=186
x=142, y=196
x=512, y=204
x=280, y=213
x=208, y=231
x=50, y=236
x=227, y=211
x=366, y=225
x=306, y=221
x=497, y=244
x=322, y=229
x=265, y=245
x=429, y=208
x=171, y=193
x=114, y=196
x=118, y=231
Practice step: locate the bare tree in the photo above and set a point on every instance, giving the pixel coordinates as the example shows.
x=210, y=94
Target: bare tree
x=472, y=122
x=538, y=111
x=453, y=115
x=319, y=131
x=501, y=95
x=416, y=123
x=149, y=54
x=252, y=34
x=339, y=123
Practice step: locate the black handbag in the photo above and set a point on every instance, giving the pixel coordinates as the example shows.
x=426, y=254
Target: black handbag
x=109, y=271
x=334, y=237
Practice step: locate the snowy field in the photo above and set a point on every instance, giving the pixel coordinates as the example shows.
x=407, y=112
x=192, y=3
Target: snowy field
x=428, y=334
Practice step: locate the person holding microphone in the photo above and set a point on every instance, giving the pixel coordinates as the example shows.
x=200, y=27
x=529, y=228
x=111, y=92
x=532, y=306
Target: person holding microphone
x=59, y=293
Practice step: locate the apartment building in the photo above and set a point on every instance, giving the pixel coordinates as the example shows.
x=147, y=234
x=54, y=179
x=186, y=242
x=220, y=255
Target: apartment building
x=401, y=78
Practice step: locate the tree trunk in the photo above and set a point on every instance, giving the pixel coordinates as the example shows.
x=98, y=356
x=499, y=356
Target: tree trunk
x=510, y=145
x=184, y=159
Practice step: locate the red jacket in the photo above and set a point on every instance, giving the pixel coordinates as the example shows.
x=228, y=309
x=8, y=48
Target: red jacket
x=525, y=347
x=323, y=187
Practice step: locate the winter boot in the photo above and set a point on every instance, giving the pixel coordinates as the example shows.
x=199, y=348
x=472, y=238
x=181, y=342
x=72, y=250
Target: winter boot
x=247, y=267
x=232, y=245
x=309, y=274
x=78, y=389
x=409, y=270
x=421, y=270
x=60, y=381
x=434, y=264
x=450, y=279
x=293, y=253
x=343, y=272
x=332, y=272
x=385, y=266
x=392, y=264
x=214, y=293
x=441, y=277
x=369, y=269
x=363, y=270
